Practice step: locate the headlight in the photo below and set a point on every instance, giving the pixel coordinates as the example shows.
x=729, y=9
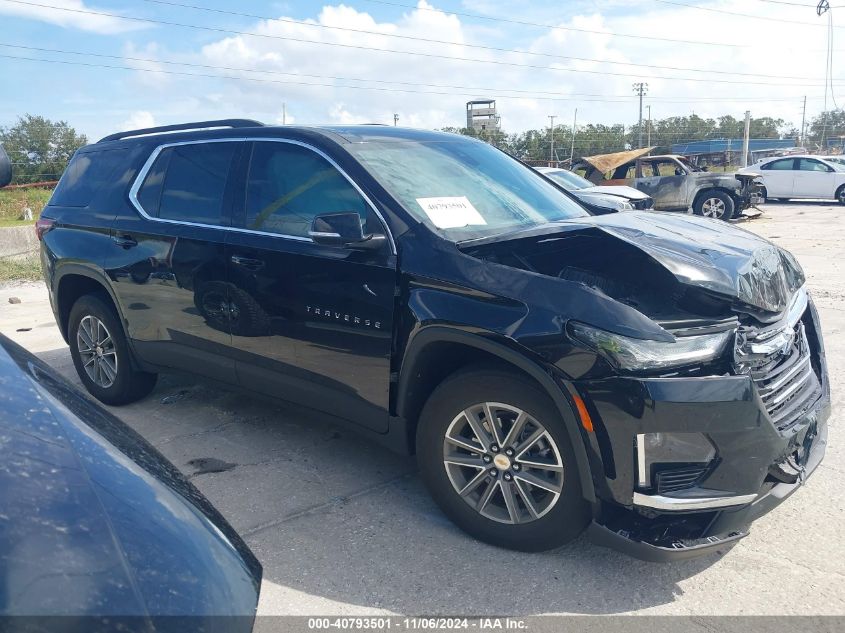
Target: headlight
x=624, y=205
x=640, y=355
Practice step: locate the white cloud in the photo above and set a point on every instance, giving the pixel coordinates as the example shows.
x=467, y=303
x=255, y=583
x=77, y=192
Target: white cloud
x=139, y=120
x=285, y=68
x=73, y=17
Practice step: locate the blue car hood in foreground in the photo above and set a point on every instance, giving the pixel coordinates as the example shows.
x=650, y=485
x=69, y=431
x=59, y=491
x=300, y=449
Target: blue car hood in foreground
x=95, y=522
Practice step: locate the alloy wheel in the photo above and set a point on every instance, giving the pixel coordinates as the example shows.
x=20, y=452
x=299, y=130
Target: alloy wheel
x=97, y=350
x=713, y=208
x=503, y=463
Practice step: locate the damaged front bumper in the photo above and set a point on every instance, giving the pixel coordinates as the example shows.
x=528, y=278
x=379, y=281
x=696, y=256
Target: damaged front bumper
x=748, y=453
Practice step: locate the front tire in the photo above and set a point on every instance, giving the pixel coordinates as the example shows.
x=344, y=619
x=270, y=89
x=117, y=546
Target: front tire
x=514, y=484
x=101, y=354
x=715, y=204
x=840, y=195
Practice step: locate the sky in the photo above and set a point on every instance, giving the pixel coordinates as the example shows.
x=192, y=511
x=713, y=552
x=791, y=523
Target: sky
x=109, y=65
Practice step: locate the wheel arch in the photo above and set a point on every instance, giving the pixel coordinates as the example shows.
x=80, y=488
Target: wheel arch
x=436, y=352
x=73, y=283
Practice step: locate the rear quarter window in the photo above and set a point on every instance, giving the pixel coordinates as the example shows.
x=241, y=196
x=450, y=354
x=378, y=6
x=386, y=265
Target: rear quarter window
x=87, y=173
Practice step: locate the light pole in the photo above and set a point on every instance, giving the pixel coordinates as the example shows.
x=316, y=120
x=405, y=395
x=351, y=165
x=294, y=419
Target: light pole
x=572, y=147
x=648, y=142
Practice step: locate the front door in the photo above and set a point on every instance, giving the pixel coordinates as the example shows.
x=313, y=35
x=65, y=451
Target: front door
x=779, y=177
x=663, y=180
x=314, y=323
x=814, y=179
x=167, y=261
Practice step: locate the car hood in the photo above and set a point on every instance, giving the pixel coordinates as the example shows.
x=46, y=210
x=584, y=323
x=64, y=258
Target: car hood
x=712, y=255
x=96, y=522
x=600, y=199
x=623, y=191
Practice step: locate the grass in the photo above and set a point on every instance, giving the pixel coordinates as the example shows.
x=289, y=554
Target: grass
x=14, y=201
x=24, y=269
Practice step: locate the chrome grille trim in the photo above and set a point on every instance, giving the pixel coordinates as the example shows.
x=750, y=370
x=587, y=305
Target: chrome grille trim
x=779, y=360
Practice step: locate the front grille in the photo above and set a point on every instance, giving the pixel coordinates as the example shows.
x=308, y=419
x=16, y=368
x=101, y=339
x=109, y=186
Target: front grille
x=678, y=478
x=785, y=378
x=642, y=204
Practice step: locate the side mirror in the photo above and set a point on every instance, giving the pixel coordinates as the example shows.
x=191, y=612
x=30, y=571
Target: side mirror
x=343, y=229
x=5, y=168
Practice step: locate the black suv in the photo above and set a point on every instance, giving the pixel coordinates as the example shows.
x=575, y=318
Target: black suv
x=658, y=378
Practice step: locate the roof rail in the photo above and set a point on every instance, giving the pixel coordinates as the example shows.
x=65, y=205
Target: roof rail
x=199, y=125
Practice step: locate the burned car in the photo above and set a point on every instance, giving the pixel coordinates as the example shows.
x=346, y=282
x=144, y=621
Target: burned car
x=658, y=380
x=675, y=183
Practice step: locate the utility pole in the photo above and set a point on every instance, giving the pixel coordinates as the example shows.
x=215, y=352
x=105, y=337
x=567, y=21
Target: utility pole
x=803, y=118
x=552, y=118
x=648, y=143
x=572, y=147
x=745, y=138
x=395, y=120
x=640, y=89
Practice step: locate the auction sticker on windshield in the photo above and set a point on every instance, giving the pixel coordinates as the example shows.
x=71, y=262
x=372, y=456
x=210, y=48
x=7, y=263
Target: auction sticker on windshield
x=450, y=212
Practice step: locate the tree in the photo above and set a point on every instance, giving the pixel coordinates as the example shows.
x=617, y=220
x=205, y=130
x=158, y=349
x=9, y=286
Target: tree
x=40, y=149
x=830, y=125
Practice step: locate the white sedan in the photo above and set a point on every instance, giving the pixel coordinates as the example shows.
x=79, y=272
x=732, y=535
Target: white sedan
x=800, y=177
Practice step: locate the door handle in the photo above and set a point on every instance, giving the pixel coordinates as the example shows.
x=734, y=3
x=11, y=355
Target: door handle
x=124, y=241
x=247, y=262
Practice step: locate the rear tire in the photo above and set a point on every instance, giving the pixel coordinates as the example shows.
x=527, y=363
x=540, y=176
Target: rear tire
x=101, y=354
x=534, y=518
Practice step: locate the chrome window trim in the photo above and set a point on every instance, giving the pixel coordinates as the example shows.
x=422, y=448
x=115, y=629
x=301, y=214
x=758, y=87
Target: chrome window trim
x=142, y=175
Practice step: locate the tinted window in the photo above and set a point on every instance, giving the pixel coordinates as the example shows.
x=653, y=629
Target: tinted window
x=809, y=164
x=85, y=175
x=289, y=185
x=784, y=163
x=187, y=183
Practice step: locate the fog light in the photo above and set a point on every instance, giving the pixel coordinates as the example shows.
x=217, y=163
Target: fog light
x=656, y=449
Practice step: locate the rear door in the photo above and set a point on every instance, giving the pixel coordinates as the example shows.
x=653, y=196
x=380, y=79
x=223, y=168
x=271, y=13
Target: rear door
x=814, y=179
x=314, y=323
x=168, y=263
x=779, y=177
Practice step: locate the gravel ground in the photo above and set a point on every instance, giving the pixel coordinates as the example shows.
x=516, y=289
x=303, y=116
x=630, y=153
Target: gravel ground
x=342, y=527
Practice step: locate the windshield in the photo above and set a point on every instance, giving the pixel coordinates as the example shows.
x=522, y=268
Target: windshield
x=568, y=180
x=465, y=189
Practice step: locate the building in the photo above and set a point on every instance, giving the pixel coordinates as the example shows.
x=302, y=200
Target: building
x=482, y=116
x=726, y=151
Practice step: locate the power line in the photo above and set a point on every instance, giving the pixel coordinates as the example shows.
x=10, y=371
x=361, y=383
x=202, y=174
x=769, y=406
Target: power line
x=560, y=28
x=562, y=95
x=386, y=50
x=744, y=15
x=463, y=44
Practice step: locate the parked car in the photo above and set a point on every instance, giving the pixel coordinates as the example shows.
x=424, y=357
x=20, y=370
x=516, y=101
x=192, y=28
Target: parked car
x=5, y=168
x=801, y=177
x=97, y=524
x=611, y=198
x=674, y=183
x=658, y=378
